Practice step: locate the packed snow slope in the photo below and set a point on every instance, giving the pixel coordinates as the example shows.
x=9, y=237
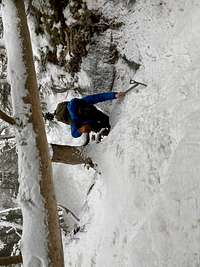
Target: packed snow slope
x=144, y=210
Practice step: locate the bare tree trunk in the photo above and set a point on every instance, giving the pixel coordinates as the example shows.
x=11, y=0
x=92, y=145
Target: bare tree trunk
x=41, y=241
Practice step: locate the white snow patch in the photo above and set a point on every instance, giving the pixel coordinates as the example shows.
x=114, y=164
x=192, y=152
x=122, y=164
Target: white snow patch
x=13, y=47
x=2, y=42
x=68, y=16
x=84, y=80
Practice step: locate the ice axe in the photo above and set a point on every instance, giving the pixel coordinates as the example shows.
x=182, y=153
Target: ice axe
x=134, y=84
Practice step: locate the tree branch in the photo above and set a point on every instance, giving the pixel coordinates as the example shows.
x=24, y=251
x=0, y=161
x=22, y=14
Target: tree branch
x=69, y=211
x=7, y=118
x=6, y=137
x=3, y=128
x=8, y=210
x=3, y=81
x=70, y=155
x=5, y=261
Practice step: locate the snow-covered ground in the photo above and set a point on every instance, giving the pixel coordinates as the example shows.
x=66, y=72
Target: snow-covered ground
x=144, y=209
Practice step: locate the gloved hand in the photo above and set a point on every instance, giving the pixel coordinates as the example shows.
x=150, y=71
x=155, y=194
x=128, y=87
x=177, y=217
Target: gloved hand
x=120, y=96
x=85, y=129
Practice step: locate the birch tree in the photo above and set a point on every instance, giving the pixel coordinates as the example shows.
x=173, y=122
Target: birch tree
x=41, y=240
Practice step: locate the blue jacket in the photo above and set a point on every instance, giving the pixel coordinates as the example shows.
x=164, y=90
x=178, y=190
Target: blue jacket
x=90, y=100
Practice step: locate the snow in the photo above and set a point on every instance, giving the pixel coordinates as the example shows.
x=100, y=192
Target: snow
x=10, y=42
x=11, y=225
x=8, y=210
x=68, y=16
x=2, y=245
x=2, y=43
x=143, y=209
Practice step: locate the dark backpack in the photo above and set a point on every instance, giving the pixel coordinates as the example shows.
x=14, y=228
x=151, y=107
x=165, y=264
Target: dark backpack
x=62, y=114
x=83, y=110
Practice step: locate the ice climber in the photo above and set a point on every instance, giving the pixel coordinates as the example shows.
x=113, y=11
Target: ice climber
x=83, y=116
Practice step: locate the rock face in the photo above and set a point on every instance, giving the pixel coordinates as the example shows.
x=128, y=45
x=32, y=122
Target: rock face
x=99, y=64
x=76, y=38
x=70, y=26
